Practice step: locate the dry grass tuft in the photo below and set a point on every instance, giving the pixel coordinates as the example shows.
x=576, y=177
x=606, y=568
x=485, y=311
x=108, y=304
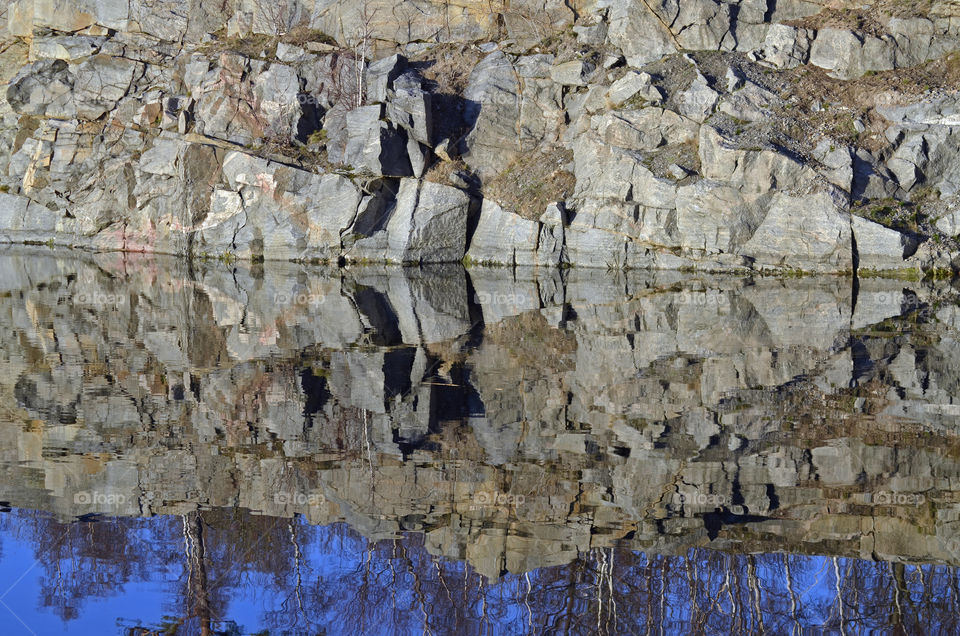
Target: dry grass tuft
x=441, y=171
x=872, y=19
x=533, y=181
x=841, y=102
x=448, y=66
x=258, y=45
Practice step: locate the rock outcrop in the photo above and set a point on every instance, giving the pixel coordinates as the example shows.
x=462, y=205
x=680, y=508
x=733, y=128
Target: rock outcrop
x=707, y=135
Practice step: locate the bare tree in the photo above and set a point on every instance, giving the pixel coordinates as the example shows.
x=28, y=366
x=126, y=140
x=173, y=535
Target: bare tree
x=359, y=44
x=278, y=16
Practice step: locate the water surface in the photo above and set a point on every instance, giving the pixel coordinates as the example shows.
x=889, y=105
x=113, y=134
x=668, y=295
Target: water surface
x=276, y=448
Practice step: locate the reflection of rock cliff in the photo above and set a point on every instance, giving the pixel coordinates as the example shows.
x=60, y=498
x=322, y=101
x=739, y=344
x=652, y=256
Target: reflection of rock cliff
x=708, y=134
x=513, y=420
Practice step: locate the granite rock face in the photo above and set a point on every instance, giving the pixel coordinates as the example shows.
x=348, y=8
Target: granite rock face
x=631, y=135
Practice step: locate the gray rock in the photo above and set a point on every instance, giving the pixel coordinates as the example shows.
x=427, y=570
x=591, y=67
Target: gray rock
x=634, y=84
x=807, y=232
x=734, y=78
x=881, y=248
x=380, y=76
x=750, y=103
x=837, y=161
x=368, y=143
x=86, y=90
x=645, y=129
x=937, y=110
x=849, y=55
x=64, y=47
x=494, y=106
x=699, y=101
x=870, y=179
x=535, y=66
x=701, y=25
x=503, y=238
x=23, y=220
x=604, y=172
x=755, y=171
x=426, y=224
x=716, y=218
x=570, y=73
x=276, y=94
x=949, y=223
x=550, y=244
x=331, y=204
x=42, y=87
x=785, y=47
x=409, y=107
x=908, y=161
x=639, y=33
x=291, y=53
x=593, y=35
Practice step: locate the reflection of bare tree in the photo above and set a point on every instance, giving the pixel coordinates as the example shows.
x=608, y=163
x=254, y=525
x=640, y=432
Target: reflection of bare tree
x=198, y=599
x=85, y=560
x=331, y=579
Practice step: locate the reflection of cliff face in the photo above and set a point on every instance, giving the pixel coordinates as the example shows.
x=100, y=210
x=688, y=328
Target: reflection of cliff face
x=512, y=420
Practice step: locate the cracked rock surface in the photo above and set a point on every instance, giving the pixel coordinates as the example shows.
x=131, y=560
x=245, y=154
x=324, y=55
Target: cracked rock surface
x=710, y=135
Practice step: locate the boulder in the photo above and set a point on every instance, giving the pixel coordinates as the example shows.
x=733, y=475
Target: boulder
x=879, y=247
x=716, y=218
x=836, y=163
x=427, y=223
x=43, y=87
x=804, y=232
x=380, y=76
x=64, y=47
x=699, y=100
x=701, y=25
x=493, y=106
x=503, y=238
x=550, y=244
x=645, y=129
x=949, y=223
x=409, y=107
x=752, y=102
x=638, y=32
x=785, y=47
x=276, y=94
x=633, y=84
x=369, y=144
x=572, y=73
x=849, y=55
x=751, y=170
x=605, y=172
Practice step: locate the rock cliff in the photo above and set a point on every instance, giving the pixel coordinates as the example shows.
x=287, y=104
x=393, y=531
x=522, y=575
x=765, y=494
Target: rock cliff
x=795, y=135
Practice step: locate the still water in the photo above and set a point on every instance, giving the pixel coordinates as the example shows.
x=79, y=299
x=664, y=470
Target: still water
x=225, y=448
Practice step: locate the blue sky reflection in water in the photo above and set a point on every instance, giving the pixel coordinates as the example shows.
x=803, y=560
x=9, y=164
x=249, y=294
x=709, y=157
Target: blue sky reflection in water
x=115, y=575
